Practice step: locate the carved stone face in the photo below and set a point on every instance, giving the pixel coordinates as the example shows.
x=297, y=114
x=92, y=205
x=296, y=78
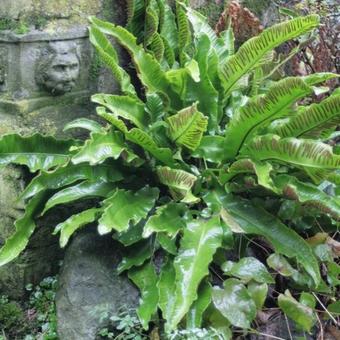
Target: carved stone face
x=58, y=68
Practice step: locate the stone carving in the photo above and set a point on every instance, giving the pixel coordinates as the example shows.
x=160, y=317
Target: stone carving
x=58, y=67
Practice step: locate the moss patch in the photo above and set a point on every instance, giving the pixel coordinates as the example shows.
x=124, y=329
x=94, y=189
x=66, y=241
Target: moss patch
x=212, y=11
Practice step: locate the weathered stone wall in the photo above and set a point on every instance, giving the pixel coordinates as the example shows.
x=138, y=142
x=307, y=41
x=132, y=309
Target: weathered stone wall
x=48, y=72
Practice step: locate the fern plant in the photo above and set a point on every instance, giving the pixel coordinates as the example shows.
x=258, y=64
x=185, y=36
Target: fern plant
x=211, y=154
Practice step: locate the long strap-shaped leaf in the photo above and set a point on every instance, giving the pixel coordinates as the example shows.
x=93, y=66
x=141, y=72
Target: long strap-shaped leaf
x=179, y=182
x=75, y=222
x=262, y=109
x=69, y=174
x=37, y=152
x=307, y=193
x=200, y=241
x=109, y=55
x=24, y=228
x=145, y=279
x=306, y=153
x=129, y=108
x=253, y=50
x=313, y=120
x=187, y=127
x=82, y=190
x=255, y=220
x=100, y=147
x=125, y=206
x=148, y=69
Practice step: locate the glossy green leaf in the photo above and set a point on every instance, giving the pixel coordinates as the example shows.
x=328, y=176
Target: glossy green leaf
x=145, y=279
x=136, y=255
x=308, y=300
x=83, y=190
x=334, y=308
x=248, y=268
x=149, y=70
x=258, y=292
x=235, y=303
x=125, y=107
x=69, y=174
x=36, y=152
x=280, y=264
x=311, y=121
x=254, y=49
x=167, y=243
x=125, y=207
x=169, y=218
x=195, y=314
x=100, y=147
x=245, y=165
x=109, y=55
x=84, y=123
x=111, y=118
x=165, y=287
x=261, y=110
x=308, y=194
x=75, y=222
x=24, y=228
x=299, y=313
x=307, y=153
x=179, y=182
x=211, y=149
x=186, y=128
x=200, y=241
x=256, y=220
x=141, y=138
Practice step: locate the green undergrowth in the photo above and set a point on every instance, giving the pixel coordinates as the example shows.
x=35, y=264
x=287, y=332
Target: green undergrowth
x=34, y=319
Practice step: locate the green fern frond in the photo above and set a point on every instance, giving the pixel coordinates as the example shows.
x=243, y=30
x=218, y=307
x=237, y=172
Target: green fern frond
x=253, y=50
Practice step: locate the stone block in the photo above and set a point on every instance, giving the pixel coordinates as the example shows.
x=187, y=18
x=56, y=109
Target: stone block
x=13, y=9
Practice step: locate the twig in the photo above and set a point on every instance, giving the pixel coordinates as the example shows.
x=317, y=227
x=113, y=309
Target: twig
x=321, y=328
x=287, y=323
x=326, y=310
x=264, y=334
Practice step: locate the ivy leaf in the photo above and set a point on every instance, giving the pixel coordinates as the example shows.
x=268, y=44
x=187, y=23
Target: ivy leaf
x=145, y=279
x=299, y=313
x=186, y=128
x=235, y=303
x=126, y=206
x=169, y=218
x=258, y=292
x=248, y=268
x=72, y=224
x=179, y=182
x=195, y=314
x=200, y=241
